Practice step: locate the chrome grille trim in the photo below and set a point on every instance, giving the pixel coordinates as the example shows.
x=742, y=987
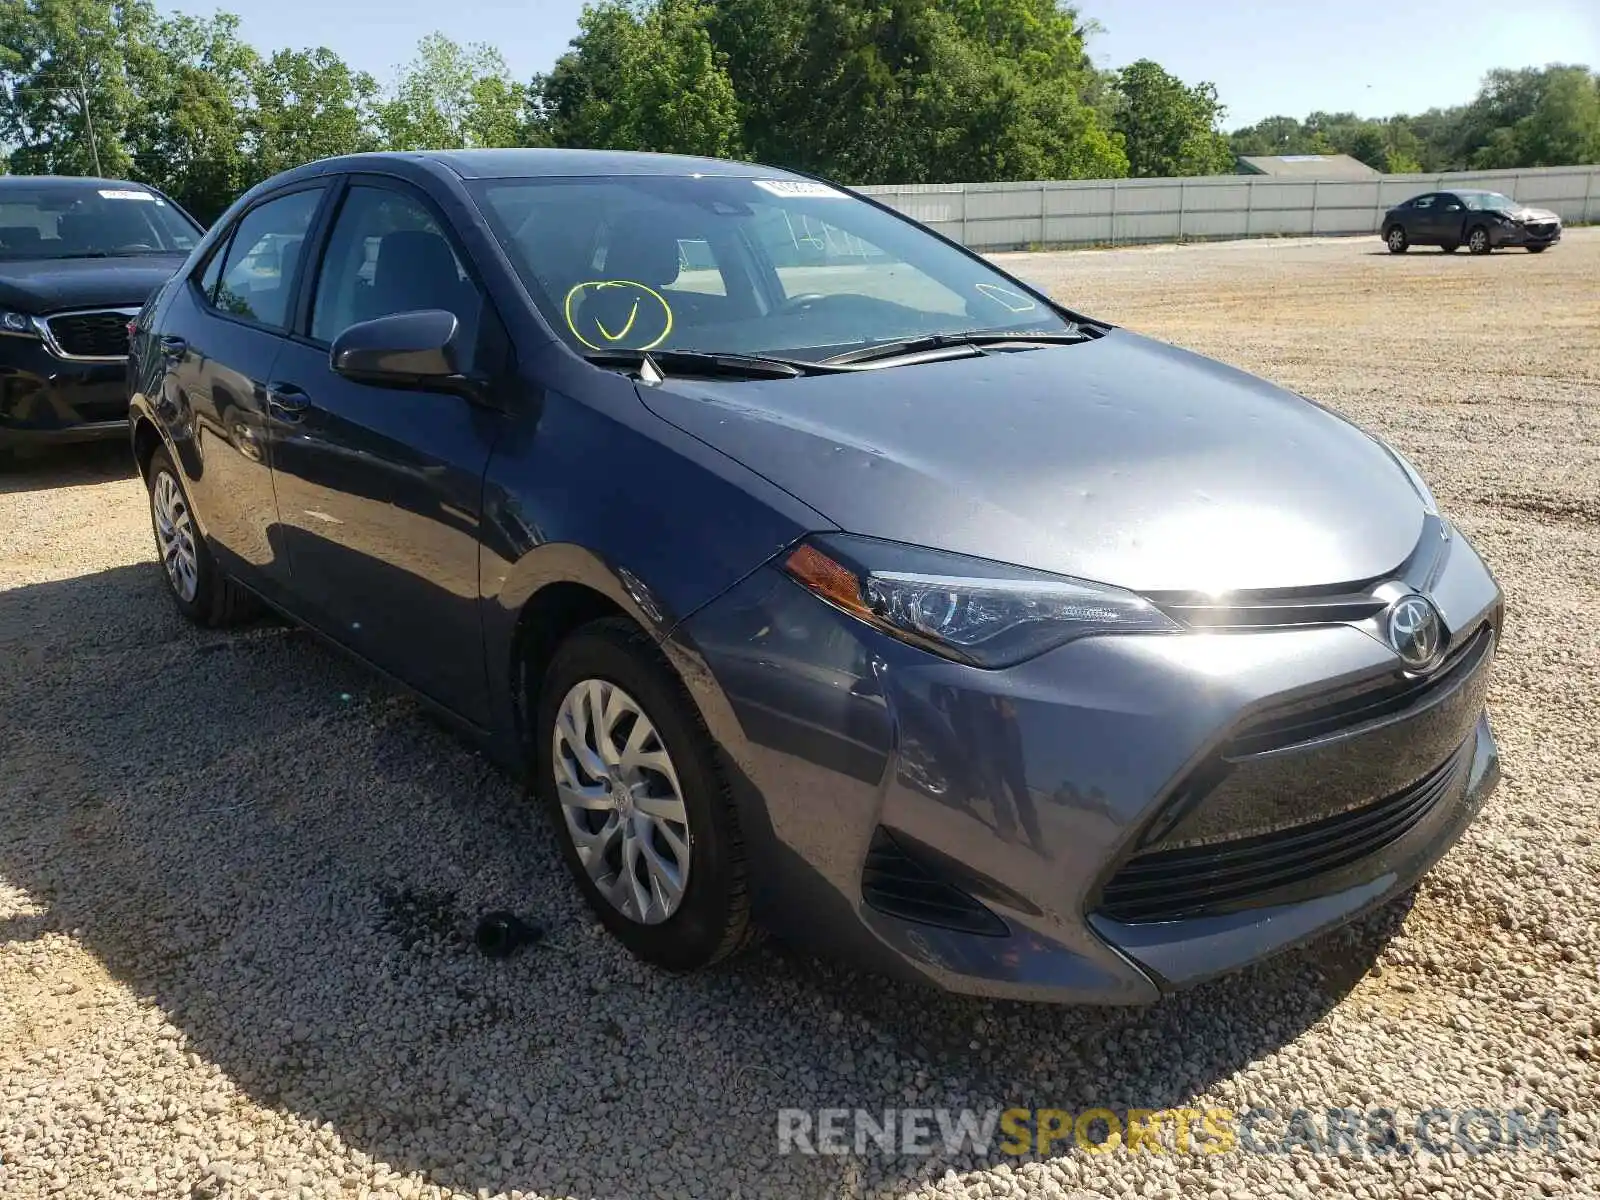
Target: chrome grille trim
x=43, y=326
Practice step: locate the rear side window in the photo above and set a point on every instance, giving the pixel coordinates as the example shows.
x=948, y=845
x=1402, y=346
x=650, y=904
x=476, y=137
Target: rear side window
x=258, y=271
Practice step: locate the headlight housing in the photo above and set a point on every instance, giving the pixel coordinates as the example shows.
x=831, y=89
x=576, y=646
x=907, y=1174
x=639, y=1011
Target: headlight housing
x=971, y=610
x=17, y=324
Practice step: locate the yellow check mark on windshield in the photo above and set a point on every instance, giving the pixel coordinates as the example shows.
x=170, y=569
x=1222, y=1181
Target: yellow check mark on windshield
x=617, y=337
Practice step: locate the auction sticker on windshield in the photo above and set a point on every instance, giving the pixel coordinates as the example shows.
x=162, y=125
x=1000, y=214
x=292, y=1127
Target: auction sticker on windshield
x=124, y=194
x=799, y=188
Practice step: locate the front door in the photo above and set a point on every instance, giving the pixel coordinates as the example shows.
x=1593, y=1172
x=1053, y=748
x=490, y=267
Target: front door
x=224, y=331
x=380, y=489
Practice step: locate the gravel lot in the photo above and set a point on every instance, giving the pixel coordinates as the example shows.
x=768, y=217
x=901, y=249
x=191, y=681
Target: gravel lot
x=234, y=872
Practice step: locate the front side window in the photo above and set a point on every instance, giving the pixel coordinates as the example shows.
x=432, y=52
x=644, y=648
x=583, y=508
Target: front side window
x=787, y=268
x=1423, y=202
x=388, y=255
x=259, y=270
x=90, y=220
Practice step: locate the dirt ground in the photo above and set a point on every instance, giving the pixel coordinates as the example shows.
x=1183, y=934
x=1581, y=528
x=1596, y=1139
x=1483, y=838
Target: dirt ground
x=234, y=871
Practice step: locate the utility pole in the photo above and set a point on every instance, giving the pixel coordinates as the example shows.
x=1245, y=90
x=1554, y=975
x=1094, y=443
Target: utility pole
x=88, y=120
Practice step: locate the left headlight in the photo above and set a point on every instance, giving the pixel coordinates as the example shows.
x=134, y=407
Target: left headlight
x=17, y=324
x=967, y=609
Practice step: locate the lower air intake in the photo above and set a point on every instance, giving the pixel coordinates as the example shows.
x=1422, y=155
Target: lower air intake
x=897, y=885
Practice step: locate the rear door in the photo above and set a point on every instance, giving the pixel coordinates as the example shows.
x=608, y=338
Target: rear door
x=1450, y=218
x=220, y=338
x=380, y=489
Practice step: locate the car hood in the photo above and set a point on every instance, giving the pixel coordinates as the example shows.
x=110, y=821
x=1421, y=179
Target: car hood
x=49, y=285
x=1531, y=214
x=1120, y=460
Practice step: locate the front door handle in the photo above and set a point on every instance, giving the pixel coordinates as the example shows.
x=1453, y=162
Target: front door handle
x=287, y=402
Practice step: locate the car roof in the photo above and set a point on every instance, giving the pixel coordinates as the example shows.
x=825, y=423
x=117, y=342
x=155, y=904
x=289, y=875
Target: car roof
x=18, y=182
x=529, y=163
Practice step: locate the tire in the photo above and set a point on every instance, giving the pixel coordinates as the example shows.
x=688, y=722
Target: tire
x=1397, y=238
x=1449, y=247
x=604, y=668
x=197, y=586
x=1478, y=240
x=1537, y=249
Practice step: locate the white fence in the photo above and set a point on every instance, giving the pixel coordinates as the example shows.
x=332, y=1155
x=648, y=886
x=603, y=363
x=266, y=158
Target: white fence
x=1011, y=216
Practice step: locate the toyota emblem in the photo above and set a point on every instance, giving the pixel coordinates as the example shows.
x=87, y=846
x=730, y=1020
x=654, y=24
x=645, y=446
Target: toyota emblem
x=1415, y=631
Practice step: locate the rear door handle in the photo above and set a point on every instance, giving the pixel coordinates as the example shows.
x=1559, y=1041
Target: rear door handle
x=287, y=402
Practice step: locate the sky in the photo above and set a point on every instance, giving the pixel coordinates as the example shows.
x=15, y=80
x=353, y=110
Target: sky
x=1267, y=57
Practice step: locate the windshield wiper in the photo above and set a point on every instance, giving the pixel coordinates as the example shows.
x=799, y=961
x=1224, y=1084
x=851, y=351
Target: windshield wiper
x=661, y=363
x=976, y=338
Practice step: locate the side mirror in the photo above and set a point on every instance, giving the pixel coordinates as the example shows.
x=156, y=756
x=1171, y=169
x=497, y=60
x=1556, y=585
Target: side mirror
x=410, y=349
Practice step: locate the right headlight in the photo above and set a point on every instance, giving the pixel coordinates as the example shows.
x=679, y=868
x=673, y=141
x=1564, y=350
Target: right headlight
x=968, y=609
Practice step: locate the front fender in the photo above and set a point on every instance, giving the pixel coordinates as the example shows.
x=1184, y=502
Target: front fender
x=602, y=493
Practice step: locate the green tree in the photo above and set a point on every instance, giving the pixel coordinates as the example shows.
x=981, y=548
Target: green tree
x=918, y=90
x=309, y=104
x=65, y=93
x=642, y=76
x=1168, y=127
x=453, y=97
x=189, y=134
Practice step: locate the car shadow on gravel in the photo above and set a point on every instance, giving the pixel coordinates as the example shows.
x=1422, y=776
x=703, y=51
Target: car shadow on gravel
x=66, y=466
x=288, y=859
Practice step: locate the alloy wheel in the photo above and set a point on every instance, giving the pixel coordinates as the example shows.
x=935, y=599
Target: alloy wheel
x=621, y=800
x=175, y=536
x=1478, y=242
x=1397, y=239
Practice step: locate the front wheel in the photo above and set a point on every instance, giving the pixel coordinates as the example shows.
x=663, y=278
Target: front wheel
x=1396, y=237
x=1478, y=240
x=629, y=777
x=202, y=592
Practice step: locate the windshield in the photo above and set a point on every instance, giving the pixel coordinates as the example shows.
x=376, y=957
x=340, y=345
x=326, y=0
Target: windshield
x=1488, y=201
x=90, y=221
x=781, y=268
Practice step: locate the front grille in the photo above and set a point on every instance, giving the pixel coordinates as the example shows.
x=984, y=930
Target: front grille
x=1168, y=885
x=91, y=334
x=1331, y=713
x=898, y=885
x=1542, y=228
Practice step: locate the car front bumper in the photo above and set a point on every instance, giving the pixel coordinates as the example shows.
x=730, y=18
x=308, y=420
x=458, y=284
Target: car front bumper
x=45, y=399
x=968, y=827
x=1525, y=235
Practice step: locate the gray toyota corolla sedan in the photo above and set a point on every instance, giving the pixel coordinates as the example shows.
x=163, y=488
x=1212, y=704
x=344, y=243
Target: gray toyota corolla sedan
x=818, y=574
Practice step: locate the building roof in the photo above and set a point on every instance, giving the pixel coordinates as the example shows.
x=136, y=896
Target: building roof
x=1307, y=166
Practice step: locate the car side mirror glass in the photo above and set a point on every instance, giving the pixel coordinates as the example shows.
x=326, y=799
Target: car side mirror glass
x=409, y=349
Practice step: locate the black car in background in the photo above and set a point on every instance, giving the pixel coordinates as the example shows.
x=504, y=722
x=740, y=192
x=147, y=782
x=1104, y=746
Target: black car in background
x=78, y=258
x=1480, y=221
